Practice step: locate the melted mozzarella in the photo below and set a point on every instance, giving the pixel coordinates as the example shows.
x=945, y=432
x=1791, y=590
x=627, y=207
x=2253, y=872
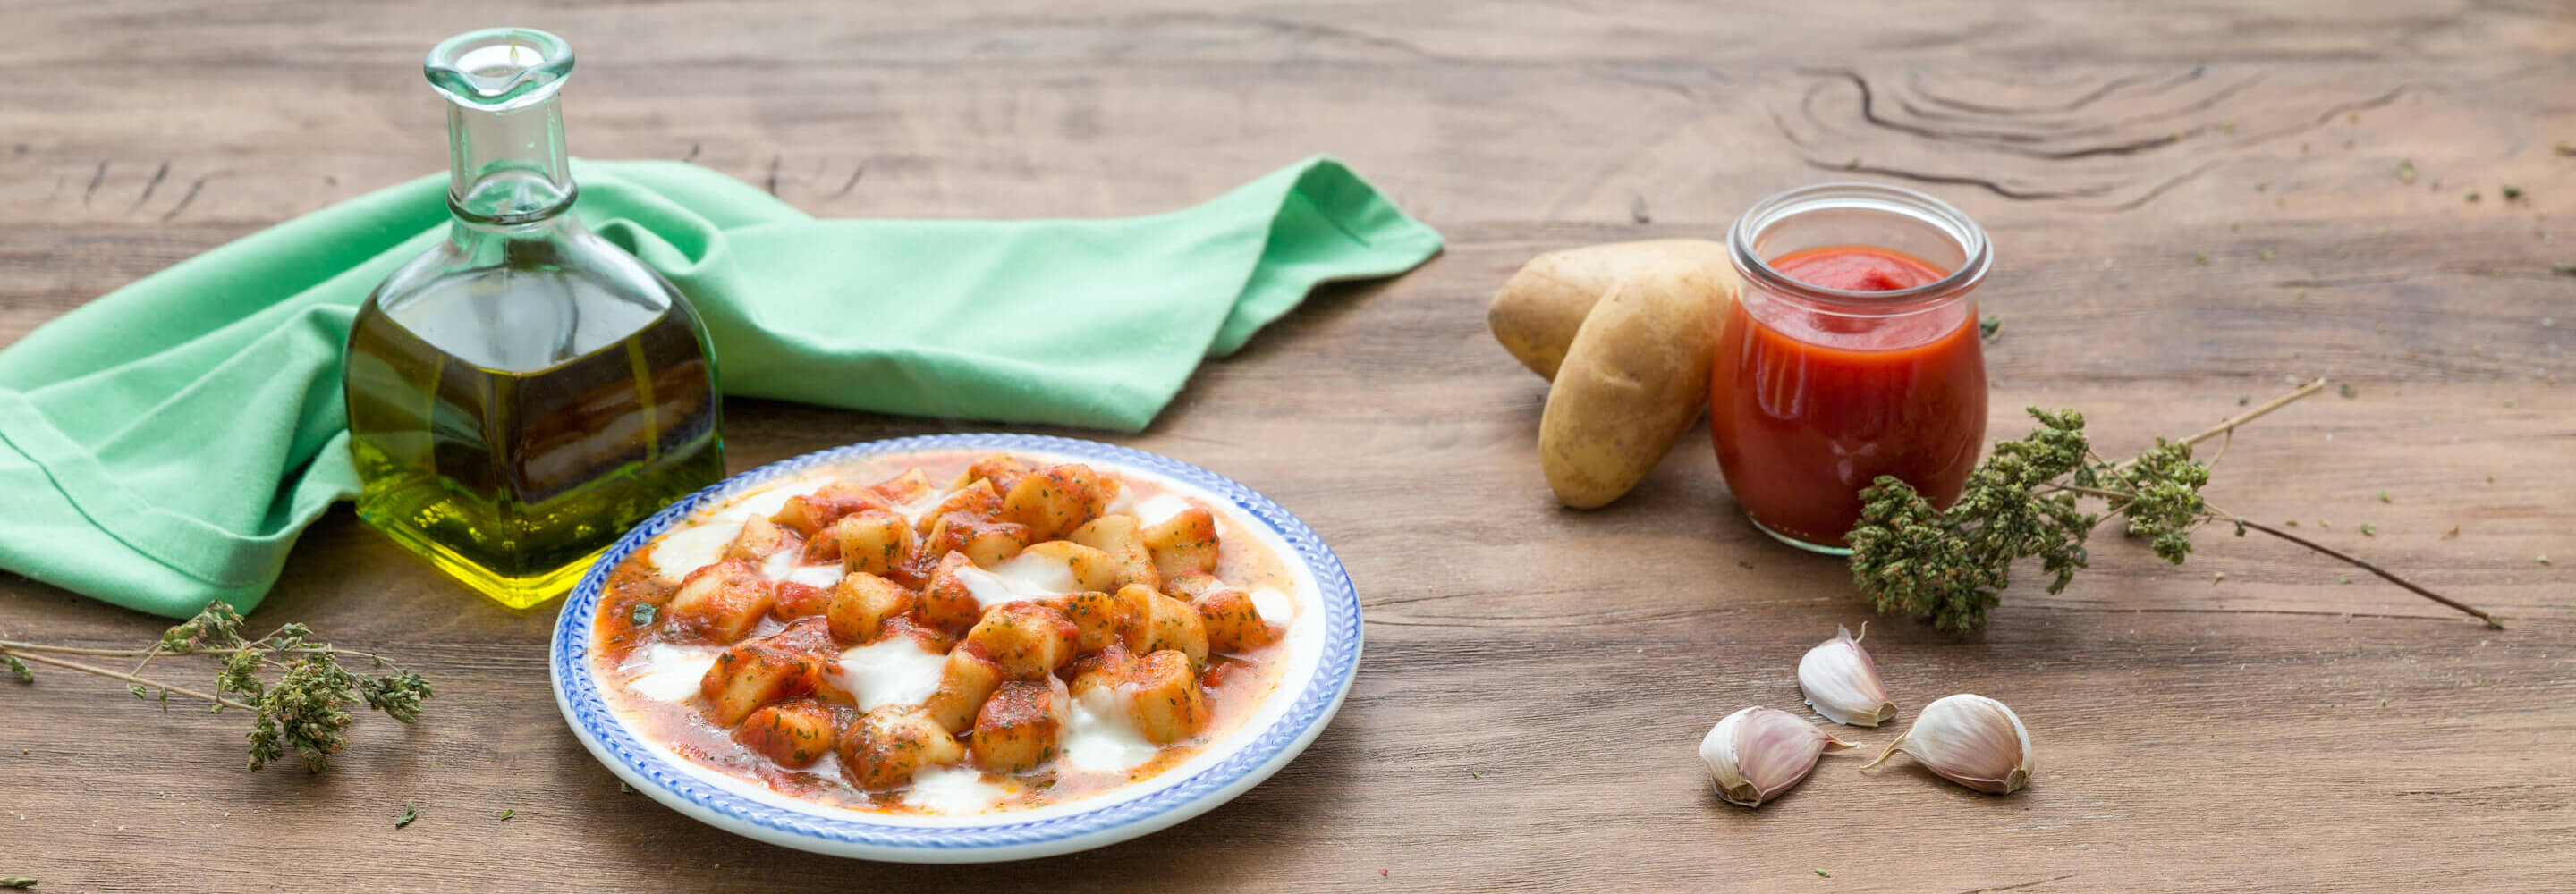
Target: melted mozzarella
x=1161, y=507
x=694, y=547
x=929, y=500
x=953, y=790
x=669, y=673
x=1017, y=579
x=701, y=544
x=895, y=670
x=821, y=577
x=1273, y=606
x=768, y=502
x=1036, y=574
x=779, y=565
x=1099, y=737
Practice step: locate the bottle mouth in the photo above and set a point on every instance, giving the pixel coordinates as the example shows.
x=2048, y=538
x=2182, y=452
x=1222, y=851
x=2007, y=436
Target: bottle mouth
x=499, y=69
x=1864, y=214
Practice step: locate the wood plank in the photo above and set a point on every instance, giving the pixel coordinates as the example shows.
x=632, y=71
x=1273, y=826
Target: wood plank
x=1535, y=678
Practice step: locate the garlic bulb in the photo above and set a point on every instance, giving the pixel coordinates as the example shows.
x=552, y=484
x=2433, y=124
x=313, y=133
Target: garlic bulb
x=1969, y=739
x=1755, y=754
x=1842, y=683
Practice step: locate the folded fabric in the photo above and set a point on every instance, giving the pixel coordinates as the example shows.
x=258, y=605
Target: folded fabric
x=163, y=445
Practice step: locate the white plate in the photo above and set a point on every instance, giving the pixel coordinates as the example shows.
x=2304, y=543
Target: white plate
x=1324, y=653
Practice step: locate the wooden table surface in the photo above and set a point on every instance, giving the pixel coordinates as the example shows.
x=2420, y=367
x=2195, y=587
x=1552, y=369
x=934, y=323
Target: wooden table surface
x=2191, y=205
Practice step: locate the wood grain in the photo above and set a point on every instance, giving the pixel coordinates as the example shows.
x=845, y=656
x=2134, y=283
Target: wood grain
x=2190, y=205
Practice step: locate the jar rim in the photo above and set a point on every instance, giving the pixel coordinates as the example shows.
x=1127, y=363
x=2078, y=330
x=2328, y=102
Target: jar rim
x=1976, y=252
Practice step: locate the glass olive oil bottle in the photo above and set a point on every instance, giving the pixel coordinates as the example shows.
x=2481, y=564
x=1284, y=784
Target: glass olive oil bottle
x=526, y=391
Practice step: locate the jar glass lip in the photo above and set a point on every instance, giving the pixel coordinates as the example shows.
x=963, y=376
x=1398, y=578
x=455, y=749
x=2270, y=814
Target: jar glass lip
x=1976, y=253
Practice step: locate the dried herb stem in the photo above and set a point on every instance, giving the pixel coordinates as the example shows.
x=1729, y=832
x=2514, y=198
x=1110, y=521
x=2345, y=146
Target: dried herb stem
x=148, y=654
x=2384, y=574
x=32, y=655
x=2229, y=426
x=2258, y=412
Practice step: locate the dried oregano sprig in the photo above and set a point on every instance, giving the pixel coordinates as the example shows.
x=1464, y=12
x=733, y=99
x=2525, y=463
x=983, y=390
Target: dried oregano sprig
x=2024, y=501
x=1952, y=566
x=304, y=711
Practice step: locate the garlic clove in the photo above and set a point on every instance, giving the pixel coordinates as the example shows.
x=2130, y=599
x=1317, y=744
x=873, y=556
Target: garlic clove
x=1841, y=682
x=1755, y=754
x=1969, y=739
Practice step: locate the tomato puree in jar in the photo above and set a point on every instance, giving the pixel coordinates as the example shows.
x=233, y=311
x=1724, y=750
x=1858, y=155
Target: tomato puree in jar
x=1810, y=402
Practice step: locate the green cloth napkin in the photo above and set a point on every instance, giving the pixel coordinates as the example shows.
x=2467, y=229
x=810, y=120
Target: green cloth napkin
x=163, y=445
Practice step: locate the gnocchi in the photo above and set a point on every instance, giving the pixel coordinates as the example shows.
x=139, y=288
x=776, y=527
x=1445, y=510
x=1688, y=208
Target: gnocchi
x=1016, y=730
x=860, y=604
x=890, y=744
x=720, y=602
x=1027, y=640
x=809, y=514
x=794, y=733
x=875, y=541
x=992, y=616
x=1055, y=500
x=1122, y=539
x=1183, y=544
x=758, y=672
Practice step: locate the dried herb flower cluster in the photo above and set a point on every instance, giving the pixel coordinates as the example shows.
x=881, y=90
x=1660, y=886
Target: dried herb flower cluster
x=304, y=711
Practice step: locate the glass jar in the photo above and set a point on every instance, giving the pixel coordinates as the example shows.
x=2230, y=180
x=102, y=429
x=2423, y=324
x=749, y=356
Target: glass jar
x=524, y=392
x=1853, y=354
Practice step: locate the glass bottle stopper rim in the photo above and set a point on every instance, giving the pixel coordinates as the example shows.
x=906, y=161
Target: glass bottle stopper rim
x=499, y=69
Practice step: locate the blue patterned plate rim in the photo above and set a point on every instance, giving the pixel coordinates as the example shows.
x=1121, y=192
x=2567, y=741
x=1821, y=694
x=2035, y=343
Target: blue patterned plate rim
x=841, y=831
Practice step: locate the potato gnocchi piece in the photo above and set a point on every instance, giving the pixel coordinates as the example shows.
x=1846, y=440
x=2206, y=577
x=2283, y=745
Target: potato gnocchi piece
x=794, y=600
x=912, y=485
x=1136, y=604
x=720, y=602
x=1233, y=623
x=1162, y=696
x=1184, y=543
x=1027, y=640
x=860, y=605
x=1017, y=728
x=984, y=541
x=1054, y=501
x=1002, y=469
x=946, y=603
x=773, y=668
x=759, y=538
x=965, y=681
x=977, y=499
x=1102, y=670
x=794, y=733
x=1175, y=626
x=886, y=746
x=875, y=541
x=809, y=514
x=1100, y=620
x=1122, y=538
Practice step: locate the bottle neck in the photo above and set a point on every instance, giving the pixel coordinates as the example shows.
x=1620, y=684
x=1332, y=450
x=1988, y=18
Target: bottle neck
x=508, y=167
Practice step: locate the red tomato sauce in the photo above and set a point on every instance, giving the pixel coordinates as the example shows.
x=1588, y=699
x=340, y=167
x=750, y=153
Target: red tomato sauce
x=1807, y=408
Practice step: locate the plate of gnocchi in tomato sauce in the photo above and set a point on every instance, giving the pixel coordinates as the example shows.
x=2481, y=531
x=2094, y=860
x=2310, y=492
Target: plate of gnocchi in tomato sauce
x=958, y=648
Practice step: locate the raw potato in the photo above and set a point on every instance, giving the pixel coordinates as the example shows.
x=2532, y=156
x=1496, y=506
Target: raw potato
x=1634, y=379
x=1539, y=309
